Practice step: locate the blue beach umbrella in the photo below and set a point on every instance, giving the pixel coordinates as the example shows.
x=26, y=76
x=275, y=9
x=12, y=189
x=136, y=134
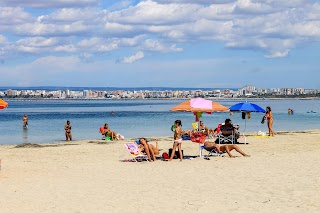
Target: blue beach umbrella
x=246, y=107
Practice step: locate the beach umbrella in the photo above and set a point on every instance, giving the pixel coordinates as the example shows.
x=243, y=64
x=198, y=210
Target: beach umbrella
x=3, y=104
x=198, y=106
x=246, y=107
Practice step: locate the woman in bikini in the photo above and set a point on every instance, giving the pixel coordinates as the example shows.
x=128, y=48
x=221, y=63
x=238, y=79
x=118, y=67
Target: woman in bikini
x=150, y=150
x=204, y=129
x=25, y=121
x=269, y=118
x=177, y=140
x=224, y=148
x=67, y=127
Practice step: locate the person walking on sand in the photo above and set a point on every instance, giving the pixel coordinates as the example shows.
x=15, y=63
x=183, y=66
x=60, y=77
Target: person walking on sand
x=269, y=118
x=67, y=128
x=25, y=121
x=177, y=140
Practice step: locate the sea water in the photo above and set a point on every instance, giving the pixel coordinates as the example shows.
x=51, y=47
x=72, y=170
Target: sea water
x=136, y=118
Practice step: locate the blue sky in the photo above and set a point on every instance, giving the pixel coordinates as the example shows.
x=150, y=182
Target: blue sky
x=176, y=43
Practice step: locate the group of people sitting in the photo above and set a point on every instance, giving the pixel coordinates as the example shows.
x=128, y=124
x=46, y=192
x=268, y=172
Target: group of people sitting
x=153, y=151
x=227, y=129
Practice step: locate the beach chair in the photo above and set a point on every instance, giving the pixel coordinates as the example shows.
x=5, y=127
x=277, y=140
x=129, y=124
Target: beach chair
x=135, y=152
x=212, y=152
x=226, y=139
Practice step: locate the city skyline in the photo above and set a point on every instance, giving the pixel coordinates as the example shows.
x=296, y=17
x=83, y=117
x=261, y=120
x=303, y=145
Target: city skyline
x=160, y=43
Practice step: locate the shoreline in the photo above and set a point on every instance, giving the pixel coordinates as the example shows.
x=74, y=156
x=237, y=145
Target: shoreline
x=247, y=134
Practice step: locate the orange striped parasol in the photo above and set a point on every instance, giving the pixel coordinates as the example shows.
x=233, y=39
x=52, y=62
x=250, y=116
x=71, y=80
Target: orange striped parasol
x=186, y=107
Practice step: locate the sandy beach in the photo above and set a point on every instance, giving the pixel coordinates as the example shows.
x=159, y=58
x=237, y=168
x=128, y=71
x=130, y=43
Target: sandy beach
x=282, y=175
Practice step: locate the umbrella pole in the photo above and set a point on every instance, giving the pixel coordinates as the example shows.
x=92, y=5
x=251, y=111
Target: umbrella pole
x=200, y=151
x=245, y=127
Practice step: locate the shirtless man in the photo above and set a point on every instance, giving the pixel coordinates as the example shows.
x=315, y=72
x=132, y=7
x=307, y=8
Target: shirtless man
x=224, y=148
x=108, y=133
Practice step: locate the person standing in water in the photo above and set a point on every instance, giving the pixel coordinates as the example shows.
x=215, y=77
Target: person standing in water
x=67, y=127
x=25, y=121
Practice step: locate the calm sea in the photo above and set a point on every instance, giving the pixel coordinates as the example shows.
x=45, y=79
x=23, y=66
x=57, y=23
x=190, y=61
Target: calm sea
x=135, y=118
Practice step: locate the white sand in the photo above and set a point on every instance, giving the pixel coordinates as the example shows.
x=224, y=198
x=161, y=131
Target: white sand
x=282, y=175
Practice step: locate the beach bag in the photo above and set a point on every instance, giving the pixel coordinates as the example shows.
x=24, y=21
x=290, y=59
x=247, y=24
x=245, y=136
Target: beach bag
x=263, y=119
x=176, y=154
x=165, y=156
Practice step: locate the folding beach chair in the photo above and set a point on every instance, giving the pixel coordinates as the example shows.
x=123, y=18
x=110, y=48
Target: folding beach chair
x=212, y=152
x=135, y=152
x=226, y=139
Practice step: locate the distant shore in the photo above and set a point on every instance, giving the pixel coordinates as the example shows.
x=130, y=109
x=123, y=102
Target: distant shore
x=146, y=99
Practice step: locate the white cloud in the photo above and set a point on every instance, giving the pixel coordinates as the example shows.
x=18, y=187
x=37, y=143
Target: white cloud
x=3, y=39
x=278, y=54
x=156, y=45
x=12, y=16
x=152, y=13
x=39, y=29
x=49, y=4
x=273, y=27
x=67, y=15
x=206, y=2
x=130, y=59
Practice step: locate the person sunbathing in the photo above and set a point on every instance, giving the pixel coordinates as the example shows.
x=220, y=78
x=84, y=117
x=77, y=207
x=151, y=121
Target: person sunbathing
x=209, y=146
x=150, y=150
x=108, y=133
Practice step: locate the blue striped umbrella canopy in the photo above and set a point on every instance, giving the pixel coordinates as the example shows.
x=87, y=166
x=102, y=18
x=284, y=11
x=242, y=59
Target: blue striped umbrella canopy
x=246, y=107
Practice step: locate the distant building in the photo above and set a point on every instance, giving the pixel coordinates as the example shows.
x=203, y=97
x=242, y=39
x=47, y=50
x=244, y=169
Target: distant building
x=86, y=93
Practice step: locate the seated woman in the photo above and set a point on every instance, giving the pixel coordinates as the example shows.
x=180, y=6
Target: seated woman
x=209, y=146
x=108, y=133
x=203, y=128
x=150, y=150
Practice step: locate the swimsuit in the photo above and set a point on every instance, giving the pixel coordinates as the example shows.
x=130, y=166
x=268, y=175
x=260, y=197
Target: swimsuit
x=178, y=140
